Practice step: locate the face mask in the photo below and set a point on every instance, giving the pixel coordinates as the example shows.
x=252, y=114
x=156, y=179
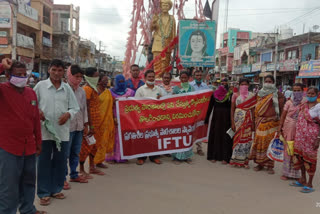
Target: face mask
x=312, y=99
x=73, y=81
x=19, y=82
x=268, y=85
x=92, y=81
x=185, y=85
x=198, y=82
x=244, y=90
x=297, y=97
x=150, y=83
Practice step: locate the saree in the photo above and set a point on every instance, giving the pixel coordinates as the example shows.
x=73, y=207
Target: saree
x=188, y=154
x=105, y=132
x=243, y=136
x=266, y=128
x=115, y=155
x=289, y=132
x=94, y=104
x=306, y=135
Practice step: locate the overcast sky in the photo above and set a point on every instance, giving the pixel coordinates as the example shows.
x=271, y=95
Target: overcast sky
x=109, y=21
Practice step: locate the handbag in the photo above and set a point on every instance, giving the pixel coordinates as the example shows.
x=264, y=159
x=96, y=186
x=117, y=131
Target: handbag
x=275, y=150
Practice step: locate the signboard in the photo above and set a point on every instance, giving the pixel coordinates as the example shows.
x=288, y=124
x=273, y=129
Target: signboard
x=24, y=41
x=237, y=70
x=3, y=39
x=5, y=15
x=197, y=43
x=161, y=126
x=289, y=65
x=256, y=67
x=310, y=69
x=271, y=67
x=27, y=10
x=246, y=68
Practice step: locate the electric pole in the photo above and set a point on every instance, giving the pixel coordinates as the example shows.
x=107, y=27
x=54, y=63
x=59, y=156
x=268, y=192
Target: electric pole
x=276, y=57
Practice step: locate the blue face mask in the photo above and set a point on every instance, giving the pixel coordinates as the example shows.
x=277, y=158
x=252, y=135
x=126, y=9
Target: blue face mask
x=312, y=99
x=198, y=82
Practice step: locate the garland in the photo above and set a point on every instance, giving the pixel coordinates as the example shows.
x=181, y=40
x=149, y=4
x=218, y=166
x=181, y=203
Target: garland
x=225, y=98
x=163, y=36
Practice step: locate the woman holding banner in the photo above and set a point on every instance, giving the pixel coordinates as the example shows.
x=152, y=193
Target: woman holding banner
x=242, y=121
x=184, y=87
x=119, y=90
x=220, y=143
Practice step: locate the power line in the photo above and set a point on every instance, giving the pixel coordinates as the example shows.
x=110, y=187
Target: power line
x=302, y=16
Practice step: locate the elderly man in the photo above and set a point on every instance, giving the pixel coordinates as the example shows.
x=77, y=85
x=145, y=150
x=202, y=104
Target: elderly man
x=152, y=91
x=199, y=85
x=58, y=105
x=135, y=81
x=166, y=83
x=20, y=134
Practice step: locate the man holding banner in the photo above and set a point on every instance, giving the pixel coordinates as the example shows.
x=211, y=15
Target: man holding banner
x=149, y=90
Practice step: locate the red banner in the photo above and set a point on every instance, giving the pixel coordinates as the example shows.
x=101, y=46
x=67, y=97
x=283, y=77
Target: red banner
x=161, y=126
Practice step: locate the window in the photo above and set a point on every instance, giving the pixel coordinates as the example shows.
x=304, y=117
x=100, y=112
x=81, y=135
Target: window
x=289, y=55
x=294, y=54
x=281, y=56
x=46, y=15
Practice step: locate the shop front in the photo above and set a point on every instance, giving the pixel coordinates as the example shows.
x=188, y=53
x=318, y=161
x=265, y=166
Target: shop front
x=289, y=69
x=309, y=73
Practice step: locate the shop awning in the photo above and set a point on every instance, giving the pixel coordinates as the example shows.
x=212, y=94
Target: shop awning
x=249, y=75
x=307, y=77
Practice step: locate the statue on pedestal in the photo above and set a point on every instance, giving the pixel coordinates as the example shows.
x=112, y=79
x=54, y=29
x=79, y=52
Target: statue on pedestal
x=163, y=27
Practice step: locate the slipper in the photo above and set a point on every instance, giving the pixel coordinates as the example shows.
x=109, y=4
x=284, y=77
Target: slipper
x=306, y=189
x=188, y=161
x=40, y=212
x=66, y=186
x=79, y=180
x=296, y=184
x=45, y=201
x=59, y=195
x=157, y=161
x=176, y=162
x=140, y=162
x=102, y=166
x=96, y=172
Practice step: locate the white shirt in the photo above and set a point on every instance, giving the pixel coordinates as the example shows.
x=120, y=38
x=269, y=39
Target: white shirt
x=288, y=94
x=77, y=123
x=202, y=86
x=315, y=111
x=145, y=91
x=54, y=103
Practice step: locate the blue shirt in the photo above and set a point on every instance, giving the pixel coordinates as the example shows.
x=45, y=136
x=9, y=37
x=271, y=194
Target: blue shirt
x=130, y=84
x=202, y=86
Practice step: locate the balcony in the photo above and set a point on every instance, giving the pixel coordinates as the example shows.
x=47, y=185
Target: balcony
x=46, y=42
x=25, y=41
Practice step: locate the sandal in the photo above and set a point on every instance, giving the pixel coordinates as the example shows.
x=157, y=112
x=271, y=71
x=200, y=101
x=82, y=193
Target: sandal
x=102, y=166
x=59, y=196
x=45, y=201
x=270, y=171
x=79, y=180
x=188, y=161
x=176, y=162
x=157, y=161
x=306, y=189
x=66, y=186
x=86, y=176
x=296, y=184
x=96, y=172
x=40, y=212
x=284, y=178
x=258, y=168
x=140, y=162
x=200, y=152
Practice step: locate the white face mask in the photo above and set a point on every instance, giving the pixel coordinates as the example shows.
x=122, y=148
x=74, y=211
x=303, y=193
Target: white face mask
x=268, y=85
x=150, y=83
x=19, y=82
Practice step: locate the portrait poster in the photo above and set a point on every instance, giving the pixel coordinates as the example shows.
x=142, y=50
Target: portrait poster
x=197, y=43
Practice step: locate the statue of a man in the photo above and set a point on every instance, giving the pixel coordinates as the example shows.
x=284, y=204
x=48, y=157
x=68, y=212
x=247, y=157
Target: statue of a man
x=164, y=30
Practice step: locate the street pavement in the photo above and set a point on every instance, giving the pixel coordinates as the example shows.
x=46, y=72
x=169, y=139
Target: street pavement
x=200, y=188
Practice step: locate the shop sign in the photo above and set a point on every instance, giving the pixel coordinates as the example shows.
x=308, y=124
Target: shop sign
x=246, y=68
x=5, y=15
x=271, y=67
x=27, y=11
x=309, y=69
x=256, y=67
x=289, y=65
x=237, y=70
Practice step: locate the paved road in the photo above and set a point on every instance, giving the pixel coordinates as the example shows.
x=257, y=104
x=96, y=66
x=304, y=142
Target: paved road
x=203, y=188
